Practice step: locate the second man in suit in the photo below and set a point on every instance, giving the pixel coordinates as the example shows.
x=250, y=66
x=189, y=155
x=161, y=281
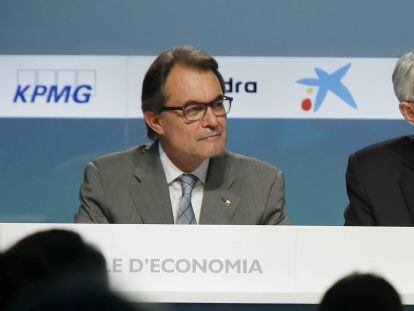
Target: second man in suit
x=380, y=177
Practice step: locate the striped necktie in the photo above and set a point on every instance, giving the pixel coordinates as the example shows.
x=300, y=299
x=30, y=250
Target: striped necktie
x=185, y=211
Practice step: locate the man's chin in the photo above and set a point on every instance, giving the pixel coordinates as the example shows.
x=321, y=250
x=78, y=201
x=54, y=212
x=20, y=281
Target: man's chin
x=214, y=151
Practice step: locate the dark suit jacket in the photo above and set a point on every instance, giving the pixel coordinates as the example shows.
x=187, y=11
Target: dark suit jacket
x=380, y=184
x=131, y=187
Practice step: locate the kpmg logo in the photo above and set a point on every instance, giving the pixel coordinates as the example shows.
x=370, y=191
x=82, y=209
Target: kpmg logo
x=327, y=82
x=52, y=86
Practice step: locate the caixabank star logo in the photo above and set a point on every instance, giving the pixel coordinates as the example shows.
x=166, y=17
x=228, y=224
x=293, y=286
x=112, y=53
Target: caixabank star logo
x=326, y=82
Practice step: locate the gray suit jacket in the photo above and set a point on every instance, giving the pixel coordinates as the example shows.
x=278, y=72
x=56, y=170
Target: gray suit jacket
x=131, y=187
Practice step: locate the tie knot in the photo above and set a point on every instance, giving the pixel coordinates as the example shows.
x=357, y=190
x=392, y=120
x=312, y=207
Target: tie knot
x=187, y=183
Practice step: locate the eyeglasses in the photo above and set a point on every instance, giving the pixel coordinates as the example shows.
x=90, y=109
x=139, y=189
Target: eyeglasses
x=196, y=111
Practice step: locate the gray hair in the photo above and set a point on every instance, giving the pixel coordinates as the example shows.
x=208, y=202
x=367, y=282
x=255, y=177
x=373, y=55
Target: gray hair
x=402, y=77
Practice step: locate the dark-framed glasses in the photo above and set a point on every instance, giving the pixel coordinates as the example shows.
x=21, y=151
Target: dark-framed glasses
x=194, y=111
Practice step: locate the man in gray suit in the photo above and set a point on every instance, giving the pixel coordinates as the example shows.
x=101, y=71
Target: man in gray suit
x=185, y=176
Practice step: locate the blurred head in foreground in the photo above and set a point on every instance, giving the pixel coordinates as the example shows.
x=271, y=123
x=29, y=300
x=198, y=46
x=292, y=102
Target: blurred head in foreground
x=72, y=295
x=43, y=258
x=361, y=292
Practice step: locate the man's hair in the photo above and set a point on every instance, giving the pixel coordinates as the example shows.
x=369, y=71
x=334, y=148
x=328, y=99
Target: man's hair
x=402, y=77
x=153, y=94
x=361, y=292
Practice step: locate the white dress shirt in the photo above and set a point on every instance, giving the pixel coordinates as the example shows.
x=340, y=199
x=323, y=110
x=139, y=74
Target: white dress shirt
x=174, y=186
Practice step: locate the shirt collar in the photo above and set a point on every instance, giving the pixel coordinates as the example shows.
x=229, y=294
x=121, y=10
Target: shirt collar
x=172, y=171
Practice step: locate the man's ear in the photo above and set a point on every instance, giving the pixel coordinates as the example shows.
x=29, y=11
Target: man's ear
x=153, y=121
x=407, y=110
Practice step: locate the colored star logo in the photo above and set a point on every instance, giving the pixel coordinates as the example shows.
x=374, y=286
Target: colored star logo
x=328, y=82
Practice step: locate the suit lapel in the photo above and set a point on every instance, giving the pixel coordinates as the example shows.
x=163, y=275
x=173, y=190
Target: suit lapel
x=406, y=181
x=149, y=189
x=219, y=202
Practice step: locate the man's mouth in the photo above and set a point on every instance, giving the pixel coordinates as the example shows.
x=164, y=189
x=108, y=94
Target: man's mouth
x=210, y=136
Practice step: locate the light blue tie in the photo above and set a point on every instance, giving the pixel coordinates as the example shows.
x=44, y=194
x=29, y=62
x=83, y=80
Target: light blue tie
x=185, y=211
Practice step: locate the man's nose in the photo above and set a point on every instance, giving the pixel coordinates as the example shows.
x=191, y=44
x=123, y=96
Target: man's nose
x=210, y=119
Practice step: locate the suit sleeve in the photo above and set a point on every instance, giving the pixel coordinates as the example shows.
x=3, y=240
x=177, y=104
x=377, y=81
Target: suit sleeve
x=92, y=197
x=359, y=211
x=275, y=205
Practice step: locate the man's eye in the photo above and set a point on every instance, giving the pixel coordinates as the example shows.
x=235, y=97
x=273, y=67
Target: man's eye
x=194, y=109
x=217, y=105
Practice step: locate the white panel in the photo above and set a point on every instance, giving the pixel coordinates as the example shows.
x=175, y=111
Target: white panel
x=137, y=67
x=172, y=245
x=326, y=254
x=280, y=96
x=297, y=264
x=262, y=87
x=63, y=86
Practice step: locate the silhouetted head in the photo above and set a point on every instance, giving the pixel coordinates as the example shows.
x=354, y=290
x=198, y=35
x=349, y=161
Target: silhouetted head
x=359, y=292
x=44, y=257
